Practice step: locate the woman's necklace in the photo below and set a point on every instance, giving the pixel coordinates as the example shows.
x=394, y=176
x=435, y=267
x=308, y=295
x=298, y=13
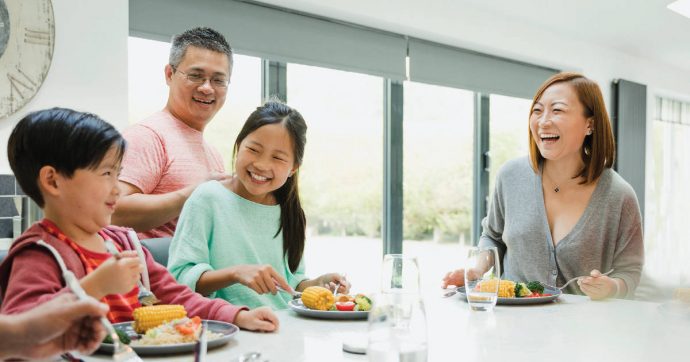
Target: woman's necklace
x=556, y=188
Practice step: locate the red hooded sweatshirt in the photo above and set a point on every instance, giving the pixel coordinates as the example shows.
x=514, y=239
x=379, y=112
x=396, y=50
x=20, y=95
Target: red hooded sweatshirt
x=30, y=275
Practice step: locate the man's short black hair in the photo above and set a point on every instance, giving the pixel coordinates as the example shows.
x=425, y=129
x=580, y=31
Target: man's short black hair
x=62, y=138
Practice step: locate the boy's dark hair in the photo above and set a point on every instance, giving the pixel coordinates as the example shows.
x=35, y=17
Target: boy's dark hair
x=62, y=138
x=205, y=38
x=292, y=220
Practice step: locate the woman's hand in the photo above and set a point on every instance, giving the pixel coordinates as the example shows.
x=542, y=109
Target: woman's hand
x=117, y=275
x=261, y=319
x=260, y=278
x=597, y=286
x=457, y=277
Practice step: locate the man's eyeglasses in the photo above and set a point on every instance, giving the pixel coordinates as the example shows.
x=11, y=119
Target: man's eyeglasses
x=199, y=79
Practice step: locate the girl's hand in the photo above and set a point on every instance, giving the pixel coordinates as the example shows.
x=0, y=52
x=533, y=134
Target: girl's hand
x=117, y=275
x=261, y=319
x=260, y=278
x=597, y=286
x=330, y=280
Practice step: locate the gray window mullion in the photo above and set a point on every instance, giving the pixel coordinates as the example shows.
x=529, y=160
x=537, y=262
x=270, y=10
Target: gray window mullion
x=273, y=80
x=482, y=164
x=392, y=228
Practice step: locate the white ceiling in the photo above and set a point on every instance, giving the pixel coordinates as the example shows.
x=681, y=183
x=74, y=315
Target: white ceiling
x=641, y=28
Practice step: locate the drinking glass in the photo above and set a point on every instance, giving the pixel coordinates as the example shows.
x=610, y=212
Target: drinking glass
x=397, y=328
x=482, y=278
x=400, y=274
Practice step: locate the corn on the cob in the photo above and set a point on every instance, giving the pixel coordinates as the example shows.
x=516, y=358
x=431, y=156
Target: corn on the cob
x=506, y=288
x=318, y=298
x=146, y=318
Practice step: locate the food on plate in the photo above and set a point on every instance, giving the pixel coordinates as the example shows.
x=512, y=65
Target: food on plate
x=124, y=338
x=511, y=289
x=345, y=306
x=153, y=316
x=318, y=298
x=182, y=330
x=363, y=303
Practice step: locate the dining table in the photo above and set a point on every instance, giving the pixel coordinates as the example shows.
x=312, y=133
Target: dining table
x=571, y=328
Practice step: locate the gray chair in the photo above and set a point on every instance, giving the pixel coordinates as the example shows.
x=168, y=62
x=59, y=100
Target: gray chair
x=159, y=248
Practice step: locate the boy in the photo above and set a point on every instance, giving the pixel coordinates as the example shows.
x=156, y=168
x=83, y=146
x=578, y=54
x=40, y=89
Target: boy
x=68, y=162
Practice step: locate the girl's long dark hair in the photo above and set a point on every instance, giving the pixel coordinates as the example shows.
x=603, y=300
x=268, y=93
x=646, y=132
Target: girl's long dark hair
x=292, y=220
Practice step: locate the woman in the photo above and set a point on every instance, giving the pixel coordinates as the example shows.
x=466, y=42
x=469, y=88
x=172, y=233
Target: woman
x=563, y=212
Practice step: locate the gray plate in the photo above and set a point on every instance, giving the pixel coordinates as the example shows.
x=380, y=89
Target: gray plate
x=300, y=309
x=537, y=300
x=227, y=330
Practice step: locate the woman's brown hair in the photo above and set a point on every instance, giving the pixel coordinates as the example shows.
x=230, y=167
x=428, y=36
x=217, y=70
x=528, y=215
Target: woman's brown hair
x=599, y=148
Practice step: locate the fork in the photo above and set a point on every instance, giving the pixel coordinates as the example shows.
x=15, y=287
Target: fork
x=121, y=351
x=146, y=297
x=295, y=294
x=572, y=280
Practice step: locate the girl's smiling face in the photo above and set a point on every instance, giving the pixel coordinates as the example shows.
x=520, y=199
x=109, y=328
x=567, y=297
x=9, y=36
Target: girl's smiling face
x=558, y=123
x=265, y=159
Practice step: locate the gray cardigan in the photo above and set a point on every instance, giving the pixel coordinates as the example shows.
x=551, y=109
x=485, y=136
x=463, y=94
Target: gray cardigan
x=608, y=234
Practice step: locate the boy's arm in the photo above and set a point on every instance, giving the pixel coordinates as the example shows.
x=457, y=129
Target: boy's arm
x=35, y=278
x=166, y=288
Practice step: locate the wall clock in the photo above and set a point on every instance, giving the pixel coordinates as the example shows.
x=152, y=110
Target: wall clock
x=27, y=36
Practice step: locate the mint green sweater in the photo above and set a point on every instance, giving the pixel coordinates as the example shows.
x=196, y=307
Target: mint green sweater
x=218, y=229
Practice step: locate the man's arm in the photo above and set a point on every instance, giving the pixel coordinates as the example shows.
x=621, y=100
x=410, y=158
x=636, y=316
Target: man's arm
x=143, y=212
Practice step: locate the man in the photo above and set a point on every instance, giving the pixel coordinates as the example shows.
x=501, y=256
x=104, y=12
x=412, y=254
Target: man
x=60, y=325
x=167, y=156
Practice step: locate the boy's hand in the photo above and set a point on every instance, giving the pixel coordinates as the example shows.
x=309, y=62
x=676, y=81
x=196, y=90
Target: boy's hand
x=117, y=275
x=261, y=319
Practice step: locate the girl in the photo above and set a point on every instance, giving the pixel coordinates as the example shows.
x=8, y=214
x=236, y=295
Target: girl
x=563, y=212
x=238, y=239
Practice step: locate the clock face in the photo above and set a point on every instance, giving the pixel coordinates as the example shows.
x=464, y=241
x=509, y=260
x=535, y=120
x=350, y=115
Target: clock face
x=27, y=35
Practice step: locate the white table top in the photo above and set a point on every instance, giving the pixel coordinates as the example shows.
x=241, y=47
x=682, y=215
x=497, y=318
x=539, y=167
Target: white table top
x=572, y=329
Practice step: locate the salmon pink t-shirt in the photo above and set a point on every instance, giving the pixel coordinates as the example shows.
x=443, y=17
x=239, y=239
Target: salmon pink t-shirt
x=164, y=155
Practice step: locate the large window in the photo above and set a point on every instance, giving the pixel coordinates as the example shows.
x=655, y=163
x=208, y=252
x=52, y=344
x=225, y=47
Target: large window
x=437, y=175
x=508, y=130
x=666, y=243
x=148, y=92
x=341, y=178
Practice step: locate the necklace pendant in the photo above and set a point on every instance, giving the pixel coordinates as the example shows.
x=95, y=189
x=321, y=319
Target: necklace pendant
x=556, y=189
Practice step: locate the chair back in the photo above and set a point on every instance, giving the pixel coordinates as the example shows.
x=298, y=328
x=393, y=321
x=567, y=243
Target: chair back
x=159, y=248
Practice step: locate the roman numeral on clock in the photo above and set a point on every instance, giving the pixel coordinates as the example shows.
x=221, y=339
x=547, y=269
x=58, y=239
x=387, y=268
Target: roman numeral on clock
x=33, y=36
x=20, y=81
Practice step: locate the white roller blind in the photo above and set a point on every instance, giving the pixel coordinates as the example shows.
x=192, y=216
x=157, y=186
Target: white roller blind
x=453, y=67
x=274, y=34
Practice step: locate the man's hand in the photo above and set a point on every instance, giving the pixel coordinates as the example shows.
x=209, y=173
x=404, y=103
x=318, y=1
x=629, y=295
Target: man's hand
x=60, y=325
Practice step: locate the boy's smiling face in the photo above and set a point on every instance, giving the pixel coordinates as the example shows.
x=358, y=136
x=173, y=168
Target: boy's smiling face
x=87, y=200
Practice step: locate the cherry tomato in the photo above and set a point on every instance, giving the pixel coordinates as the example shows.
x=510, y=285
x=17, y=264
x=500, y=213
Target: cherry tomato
x=345, y=306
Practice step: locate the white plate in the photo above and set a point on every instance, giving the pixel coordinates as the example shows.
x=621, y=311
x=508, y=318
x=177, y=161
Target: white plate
x=555, y=293
x=227, y=330
x=299, y=308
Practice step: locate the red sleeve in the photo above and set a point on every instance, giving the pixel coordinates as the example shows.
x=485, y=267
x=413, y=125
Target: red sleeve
x=169, y=291
x=35, y=278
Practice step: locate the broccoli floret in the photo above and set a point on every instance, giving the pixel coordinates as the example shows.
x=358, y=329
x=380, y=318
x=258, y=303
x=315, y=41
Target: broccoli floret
x=535, y=287
x=363, y=303
x=521, y=290
x=124, y=338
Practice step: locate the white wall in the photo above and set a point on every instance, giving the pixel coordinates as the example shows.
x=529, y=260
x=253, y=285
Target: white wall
x=89, y=67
